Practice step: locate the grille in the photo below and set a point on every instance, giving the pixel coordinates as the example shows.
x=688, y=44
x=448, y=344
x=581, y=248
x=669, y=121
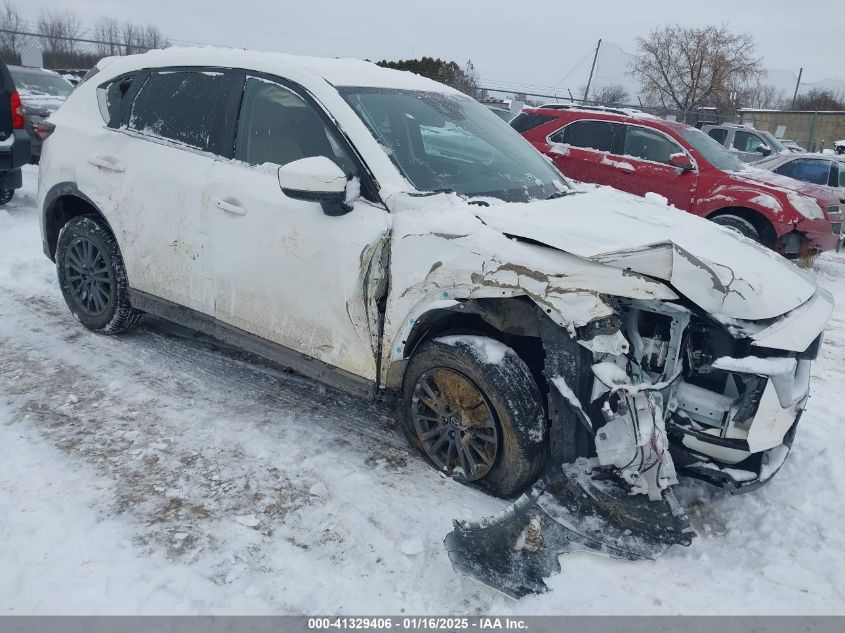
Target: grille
x=837, y=228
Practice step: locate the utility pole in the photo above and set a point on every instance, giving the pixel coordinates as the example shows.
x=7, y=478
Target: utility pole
x=798, y=83
x=592, y=70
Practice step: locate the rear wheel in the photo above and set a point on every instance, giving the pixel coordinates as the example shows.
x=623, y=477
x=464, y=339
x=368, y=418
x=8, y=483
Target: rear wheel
x=738, y=224
x=92, y=276
x=6, y=195
x=472, y=407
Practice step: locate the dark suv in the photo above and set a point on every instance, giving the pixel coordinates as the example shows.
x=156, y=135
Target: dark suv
x=14, y=141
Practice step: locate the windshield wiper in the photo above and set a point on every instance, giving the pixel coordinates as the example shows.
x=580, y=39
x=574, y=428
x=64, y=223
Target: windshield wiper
x=558, y=194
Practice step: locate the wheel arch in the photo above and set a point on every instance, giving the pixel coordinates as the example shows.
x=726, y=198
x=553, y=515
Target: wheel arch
x=764, y=226
x=63, y=202
x=514, y=321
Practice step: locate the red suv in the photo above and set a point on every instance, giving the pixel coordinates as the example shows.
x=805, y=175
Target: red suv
x=640, y=153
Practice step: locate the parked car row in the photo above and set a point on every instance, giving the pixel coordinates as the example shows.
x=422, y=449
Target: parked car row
x=641, y=154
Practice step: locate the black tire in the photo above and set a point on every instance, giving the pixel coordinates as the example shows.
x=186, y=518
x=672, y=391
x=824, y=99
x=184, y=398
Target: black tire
x=738, y=224
x=106, y=310
x=510, y=393
x=6, y=195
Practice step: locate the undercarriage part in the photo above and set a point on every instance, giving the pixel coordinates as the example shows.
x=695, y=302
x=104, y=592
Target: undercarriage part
x=579, y=508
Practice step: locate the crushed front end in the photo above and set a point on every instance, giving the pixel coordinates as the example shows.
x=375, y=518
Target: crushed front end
x=656, y=390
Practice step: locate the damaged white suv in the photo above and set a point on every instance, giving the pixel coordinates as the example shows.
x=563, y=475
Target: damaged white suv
x=387, y=235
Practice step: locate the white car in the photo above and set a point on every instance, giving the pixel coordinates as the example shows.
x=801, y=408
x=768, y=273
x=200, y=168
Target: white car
x=389, y=236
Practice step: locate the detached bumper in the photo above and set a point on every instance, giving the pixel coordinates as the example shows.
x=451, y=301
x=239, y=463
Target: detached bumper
x=814, y=236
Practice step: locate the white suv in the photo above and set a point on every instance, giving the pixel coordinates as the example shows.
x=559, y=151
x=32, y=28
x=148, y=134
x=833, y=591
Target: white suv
x=390, y=236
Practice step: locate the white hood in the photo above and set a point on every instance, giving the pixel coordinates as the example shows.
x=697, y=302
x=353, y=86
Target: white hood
x=715, y=268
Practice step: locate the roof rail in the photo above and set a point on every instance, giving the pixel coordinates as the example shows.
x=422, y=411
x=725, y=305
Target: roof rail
x=596, y=108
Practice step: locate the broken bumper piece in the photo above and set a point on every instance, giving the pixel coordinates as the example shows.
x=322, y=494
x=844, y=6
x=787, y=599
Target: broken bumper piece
x=580, y=508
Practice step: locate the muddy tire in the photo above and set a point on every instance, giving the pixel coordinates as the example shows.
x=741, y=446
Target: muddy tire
x=92, y=276
x=6, y=195
x=471, y=406
x=738, y=224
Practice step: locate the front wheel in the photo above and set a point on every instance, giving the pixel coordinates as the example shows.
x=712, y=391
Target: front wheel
x=472, y=407
x=92, y=276
x=738, y=225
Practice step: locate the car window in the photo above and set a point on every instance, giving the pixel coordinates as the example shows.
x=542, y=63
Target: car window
x=110, y=97
x=718, y=134
x=40, y=83
x=711, y=151
x=449, y=142
x=808, y=170
x=182, y=106
x=649, y=144
x=278, y=126
x=746, y=142
x=587, y=134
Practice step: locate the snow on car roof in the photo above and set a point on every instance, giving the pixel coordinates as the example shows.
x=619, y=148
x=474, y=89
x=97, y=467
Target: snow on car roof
x=336, y=71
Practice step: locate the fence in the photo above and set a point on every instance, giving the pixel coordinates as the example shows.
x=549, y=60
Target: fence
x=818, y=130
x=696, y=118
x=64, y=51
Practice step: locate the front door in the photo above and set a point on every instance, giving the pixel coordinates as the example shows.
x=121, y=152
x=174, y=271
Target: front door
x=282, y=269
x=648, y=151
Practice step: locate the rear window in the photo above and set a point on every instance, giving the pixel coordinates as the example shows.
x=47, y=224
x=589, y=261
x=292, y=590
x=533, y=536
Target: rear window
x=40, y=83
x=598, y=135
x=718, y=134
x=524, y=121
x=111, y=96
x=181, y=106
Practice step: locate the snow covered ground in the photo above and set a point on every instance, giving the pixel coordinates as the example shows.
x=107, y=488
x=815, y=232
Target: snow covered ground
x=161, y=472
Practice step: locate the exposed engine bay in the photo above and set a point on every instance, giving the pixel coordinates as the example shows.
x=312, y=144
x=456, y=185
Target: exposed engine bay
x=666, y=392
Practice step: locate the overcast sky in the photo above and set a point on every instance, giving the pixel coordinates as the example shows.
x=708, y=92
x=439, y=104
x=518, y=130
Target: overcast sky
x=539, y=42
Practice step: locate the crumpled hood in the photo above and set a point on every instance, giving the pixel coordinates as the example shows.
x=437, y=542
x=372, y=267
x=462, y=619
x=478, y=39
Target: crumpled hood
x=722, y=272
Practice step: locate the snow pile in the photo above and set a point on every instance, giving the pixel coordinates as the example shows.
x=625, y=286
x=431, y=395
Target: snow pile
x=132, y=496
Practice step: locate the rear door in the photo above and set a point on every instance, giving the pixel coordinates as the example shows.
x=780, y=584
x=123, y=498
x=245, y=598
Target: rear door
x=649, y=150
x=584, y=150
x=163, y=160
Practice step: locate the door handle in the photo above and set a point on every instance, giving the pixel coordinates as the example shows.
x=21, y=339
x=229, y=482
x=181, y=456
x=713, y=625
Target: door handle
x=106, y=163
x=228, y=207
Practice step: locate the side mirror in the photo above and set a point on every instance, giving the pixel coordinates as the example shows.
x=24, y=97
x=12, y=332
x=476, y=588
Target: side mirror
x=681, y=161
x=765, y=150
x=316, y=179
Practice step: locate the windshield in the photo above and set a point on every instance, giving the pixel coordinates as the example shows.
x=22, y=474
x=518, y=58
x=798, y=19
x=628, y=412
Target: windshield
x=446, y=142
x=712, y=151
x=774, y=143
x=40, y=83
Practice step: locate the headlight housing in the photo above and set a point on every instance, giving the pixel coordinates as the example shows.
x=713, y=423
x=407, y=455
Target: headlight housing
x=806, y=206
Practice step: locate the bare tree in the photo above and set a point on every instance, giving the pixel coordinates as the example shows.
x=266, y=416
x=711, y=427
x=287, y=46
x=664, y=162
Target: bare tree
x=58, y=30
x=688, y=67
x=609, y=95
x=107, y=30
x=820, y=99
x=11, y=44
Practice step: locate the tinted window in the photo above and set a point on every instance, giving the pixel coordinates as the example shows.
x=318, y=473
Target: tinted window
x=589, y=134
x=110, y=98
x=525, y=121
x=815, y=171
x=278, y=126
x=649, y=145
x=183, y=106
x=746, y=142
x=718, y=134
